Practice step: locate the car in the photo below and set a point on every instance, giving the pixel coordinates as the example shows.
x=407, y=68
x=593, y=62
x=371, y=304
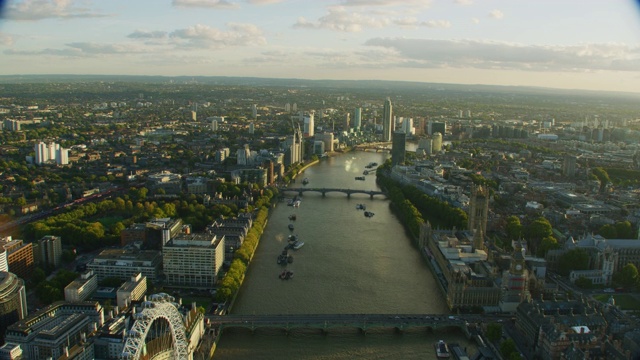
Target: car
x=609, y=290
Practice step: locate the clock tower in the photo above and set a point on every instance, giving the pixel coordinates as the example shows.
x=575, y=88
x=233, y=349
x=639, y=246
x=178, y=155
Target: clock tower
x=515, y=281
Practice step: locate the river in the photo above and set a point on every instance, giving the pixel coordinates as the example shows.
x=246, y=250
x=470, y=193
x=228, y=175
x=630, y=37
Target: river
x=349, y=264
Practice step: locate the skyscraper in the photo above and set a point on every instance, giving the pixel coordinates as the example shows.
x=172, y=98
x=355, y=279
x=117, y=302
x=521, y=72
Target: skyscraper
x=357, y=122
x=347, y=121
x=398, y=148
x=386, y=121
x=309, y=124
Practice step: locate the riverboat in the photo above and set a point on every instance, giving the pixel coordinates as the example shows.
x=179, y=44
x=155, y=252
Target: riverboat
x=368, y=214
x=361, y=207
x=305, y=181
x=442, y=350
x=360, y=177
x=297, y=245
x=292, y=217
x=291, y=227
x=296, y=203
x=293, y=237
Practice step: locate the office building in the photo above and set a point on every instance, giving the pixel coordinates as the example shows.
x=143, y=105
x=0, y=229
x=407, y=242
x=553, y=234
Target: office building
x=19, y=256
x=387, y=121
x=58, y=330
x=347, y=122
x=50, y=248
x=398, y=148
x=436, y=127
x=327, y=139
x=4, y=262
x=13, y=301
x=193, y=259
x=126, y=263
x=132, y=290
x=569, y=166
x=81, y=288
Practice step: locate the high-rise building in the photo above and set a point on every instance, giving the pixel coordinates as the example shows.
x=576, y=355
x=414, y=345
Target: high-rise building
x=569, y=166
x=4, y=262
x=13, y=301
x=51, y=152
x=347, y=122
x=254, y=111
x=437, y=126
x=398, y=148
x=50, y=250
x=243, y=156
x=327, y=138
x=387, y=121
x=309, y=124
x=252, y=127
x=357, y=121
x=437, y=143
x=407, y=126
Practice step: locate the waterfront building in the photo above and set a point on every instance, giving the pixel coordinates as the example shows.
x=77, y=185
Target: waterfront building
x=19, y=256
x=436, y=127
x=436, y=143
x=398, y=148
x=327, y=139
x=132, y=290
x=123, y=263
x=387, y=121
x=193, y=259
x=357, y=118
x=58, y=330
x=13, y=301
x=50, y=249
x=309, y=125
x=81, y=288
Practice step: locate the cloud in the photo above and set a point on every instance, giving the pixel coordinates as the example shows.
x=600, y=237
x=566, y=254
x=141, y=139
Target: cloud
x=475, y=20
x=264, y=2
x=414, y=23
x=464, y=2
x=214, y=4
x=427, y=53
x=48, y=9
x=496, y=14
x=205, y=36
x=338, y=19
x=369, y=3
x=5, y=39
x=84, y=49
x=142, y=34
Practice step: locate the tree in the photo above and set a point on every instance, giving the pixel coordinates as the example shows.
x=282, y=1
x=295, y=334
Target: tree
x=508, y=347
x=627, y=277
x=624, y=230
x=548, y=243
x=38, y=276
x=584, y=283
x=575, y=259
x=494, y=332
x=608, y=231
x=513, y=227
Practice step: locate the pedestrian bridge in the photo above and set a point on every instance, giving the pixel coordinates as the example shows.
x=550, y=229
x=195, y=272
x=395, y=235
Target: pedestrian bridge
x=328, y=322
x=324, y=191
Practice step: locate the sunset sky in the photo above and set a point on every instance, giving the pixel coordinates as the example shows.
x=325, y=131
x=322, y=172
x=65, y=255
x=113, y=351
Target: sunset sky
x=573, y=44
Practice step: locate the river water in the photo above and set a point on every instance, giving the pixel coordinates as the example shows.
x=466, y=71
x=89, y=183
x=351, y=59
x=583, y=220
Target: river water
x=349, y=264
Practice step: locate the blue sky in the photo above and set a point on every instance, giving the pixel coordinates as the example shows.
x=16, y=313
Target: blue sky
x=574, y=44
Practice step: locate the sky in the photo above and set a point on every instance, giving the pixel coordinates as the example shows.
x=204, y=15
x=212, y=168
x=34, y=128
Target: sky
x=569, y=44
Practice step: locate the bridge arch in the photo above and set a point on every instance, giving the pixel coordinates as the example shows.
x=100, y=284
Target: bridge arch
x=160, y=307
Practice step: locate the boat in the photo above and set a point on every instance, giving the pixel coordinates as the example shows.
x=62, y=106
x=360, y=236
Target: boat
x=368, y=214
x=366, y=172
x=293, y=237
x=305, y=181
x=291, y=227
x=442, y=350
x=289, y=259
x=292, y=217
x=297, y=245
x=360, y=177
x=361, y=207
x=296, y=203
x=286, y=274
x=282, y=259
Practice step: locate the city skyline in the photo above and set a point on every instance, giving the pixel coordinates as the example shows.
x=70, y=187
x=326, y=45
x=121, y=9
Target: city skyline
x=591, y=45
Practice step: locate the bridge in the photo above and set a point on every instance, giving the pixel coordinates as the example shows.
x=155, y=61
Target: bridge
x=383, y=146
x=362, y=322
x=324, y=191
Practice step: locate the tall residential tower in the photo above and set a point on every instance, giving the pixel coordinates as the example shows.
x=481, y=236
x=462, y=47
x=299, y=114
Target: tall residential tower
x=387, y=121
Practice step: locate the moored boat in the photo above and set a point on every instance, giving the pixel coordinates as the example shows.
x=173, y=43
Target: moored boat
x=368, y=214
x=286, y=274
x=360, y=177
x=291, y=227
x=361, y=207
x=297, y=245
x=442, y=349
x=292, y=217
x=305, y=181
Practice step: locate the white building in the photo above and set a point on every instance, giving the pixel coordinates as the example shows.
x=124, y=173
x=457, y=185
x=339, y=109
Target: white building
x=357, y=121
x=193, y=259
x=132, y=290
x=309, y=124
x=81, y=288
